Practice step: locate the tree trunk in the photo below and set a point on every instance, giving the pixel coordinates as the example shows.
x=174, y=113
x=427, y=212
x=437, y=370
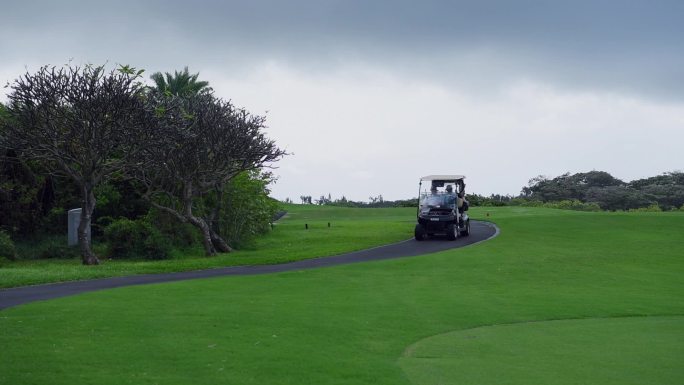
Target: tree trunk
x=200, y=223
x=206, y=234
x=87, y=207
x=219, y=243
x=215, y=213
x=213, y=219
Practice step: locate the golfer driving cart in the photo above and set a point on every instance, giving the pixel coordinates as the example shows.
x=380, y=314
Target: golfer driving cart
x=442, y=207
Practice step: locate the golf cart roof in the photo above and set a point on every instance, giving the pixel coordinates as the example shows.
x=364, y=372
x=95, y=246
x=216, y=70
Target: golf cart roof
x=443, y=177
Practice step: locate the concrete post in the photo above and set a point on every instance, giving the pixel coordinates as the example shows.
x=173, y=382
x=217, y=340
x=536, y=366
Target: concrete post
x=74, y=221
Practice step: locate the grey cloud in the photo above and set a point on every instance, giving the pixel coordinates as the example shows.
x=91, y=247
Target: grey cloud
x=625, y=46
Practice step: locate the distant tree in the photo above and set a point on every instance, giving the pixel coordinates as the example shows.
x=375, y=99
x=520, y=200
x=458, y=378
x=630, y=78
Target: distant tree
x=618, y=198
x=666, y=189
x=323, y=200
x=80, y=122
x=205, y=143
x=567, y=186
x=596, y=179
x=668, y=178
x=180, y=83
x=668, y=196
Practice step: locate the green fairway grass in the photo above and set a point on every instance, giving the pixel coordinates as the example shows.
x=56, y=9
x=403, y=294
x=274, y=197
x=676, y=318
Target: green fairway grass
x=608, y=351
x=616, y=278
x=350, y=229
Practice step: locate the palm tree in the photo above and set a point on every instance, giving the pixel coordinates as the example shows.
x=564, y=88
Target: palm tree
x=180, y=83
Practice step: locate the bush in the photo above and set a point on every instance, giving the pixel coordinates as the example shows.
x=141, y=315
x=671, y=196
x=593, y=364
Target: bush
x=7, y=249
x=181, y=235
x=57, y=248
x=246, y=209
x=46, y=247
x=493, y=203
x=568, y=204
x=573, y=204
x=654, y=208
x=55, y=219
x=135, y=239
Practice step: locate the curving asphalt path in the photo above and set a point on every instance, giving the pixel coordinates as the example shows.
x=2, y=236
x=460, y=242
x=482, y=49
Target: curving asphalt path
x=480, y=231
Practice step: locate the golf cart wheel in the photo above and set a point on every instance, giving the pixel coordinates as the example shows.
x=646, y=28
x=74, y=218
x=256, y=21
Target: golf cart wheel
x=452, y=232
x=466, y=232
x=419, y=232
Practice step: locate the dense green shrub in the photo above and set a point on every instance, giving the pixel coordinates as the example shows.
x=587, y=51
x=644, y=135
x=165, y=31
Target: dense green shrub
x=20, y=193
x=7, y=249
x=54, y=248
x=46, y=246
x=118, y=198
x=493, y=203
x=181, y=235
x=567, y=204
x=246, y=208
x=618, y=198
x=136, y=239
x=654, y=208
x=573, y=204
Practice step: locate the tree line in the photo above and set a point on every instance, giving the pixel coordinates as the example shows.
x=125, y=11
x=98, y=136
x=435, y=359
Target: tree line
x=73, y=135
x=665, y=191
x=593, y=191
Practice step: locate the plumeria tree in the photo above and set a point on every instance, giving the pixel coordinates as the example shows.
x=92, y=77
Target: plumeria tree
x=204, y=143
x=82, y=122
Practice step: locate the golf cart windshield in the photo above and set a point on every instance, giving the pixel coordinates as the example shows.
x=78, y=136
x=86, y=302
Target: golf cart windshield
x=437, y=200
x=440, y=191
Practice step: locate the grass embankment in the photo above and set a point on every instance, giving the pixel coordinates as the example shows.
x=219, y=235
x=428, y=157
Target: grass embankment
x=390, y=322
x=351, y=229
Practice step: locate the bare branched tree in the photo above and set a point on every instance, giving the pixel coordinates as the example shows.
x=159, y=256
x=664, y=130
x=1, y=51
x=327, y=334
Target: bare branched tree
x=80, y=122
x=205, y=142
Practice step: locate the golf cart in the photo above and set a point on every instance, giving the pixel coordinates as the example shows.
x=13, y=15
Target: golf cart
x=442, y=207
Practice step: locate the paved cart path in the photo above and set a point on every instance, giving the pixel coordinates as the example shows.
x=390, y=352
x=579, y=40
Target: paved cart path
x=480, y=231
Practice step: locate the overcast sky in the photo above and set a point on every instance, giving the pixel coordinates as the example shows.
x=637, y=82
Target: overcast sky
x=370, y=95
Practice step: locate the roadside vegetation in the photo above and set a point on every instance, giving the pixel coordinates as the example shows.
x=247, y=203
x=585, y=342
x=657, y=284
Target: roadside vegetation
x=559, y=297
x=50, y=260
x=171, y=161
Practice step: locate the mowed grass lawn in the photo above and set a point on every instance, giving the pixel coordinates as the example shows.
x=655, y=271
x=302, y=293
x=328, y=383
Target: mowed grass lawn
x=558, y=297
x=350, y=230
